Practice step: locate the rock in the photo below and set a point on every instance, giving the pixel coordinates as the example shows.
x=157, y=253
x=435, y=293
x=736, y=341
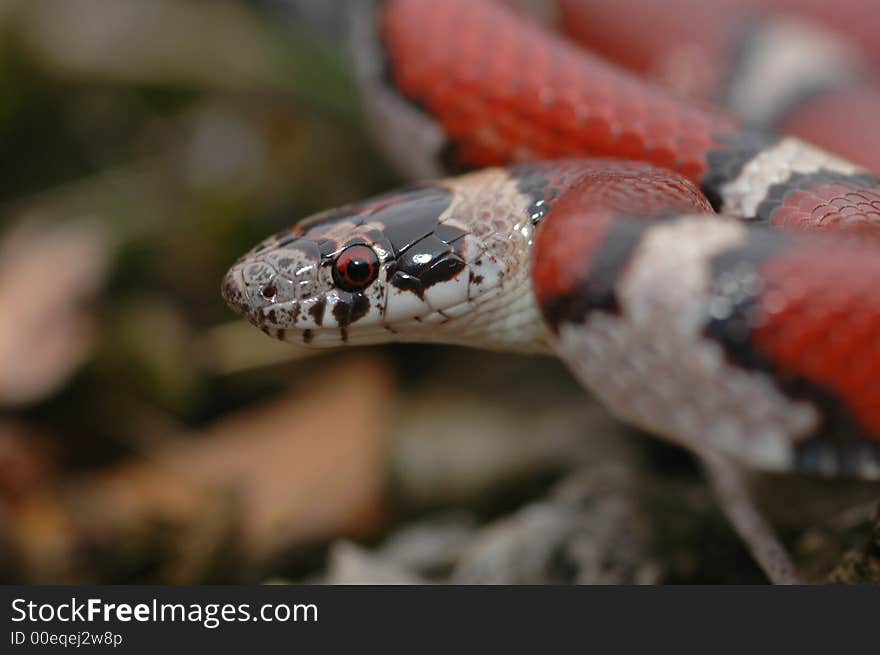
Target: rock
x=351, y=564
x=861, y=566
x=588, y=531
x=430, y=547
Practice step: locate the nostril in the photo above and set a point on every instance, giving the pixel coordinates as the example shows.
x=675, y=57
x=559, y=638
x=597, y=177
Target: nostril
x=269, y=291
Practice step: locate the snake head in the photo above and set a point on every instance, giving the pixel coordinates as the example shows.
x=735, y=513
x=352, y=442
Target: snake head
x=444, y=262
x=383, y=265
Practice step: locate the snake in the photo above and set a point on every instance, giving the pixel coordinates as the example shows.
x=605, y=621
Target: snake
x=770, y=68
x=711, y=282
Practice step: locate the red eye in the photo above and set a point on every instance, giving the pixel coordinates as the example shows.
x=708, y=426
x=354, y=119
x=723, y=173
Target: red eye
x=355, y=268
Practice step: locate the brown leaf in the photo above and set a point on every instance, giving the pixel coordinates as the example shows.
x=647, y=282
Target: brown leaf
x=305, y=467
x=47, y=275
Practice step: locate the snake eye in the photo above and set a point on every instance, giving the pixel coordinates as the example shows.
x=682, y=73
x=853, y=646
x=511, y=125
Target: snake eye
x=355, y=268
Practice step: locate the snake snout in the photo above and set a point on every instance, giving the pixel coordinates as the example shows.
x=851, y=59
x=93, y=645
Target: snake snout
x=233, y=291
x=274, y=288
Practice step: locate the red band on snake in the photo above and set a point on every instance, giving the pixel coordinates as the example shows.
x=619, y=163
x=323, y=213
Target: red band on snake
x=770, y=66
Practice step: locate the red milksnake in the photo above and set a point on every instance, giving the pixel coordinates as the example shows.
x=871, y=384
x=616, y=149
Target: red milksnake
x=721, y=333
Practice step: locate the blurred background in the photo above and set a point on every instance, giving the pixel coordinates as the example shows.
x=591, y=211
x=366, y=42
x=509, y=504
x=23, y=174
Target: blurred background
x=147, y=435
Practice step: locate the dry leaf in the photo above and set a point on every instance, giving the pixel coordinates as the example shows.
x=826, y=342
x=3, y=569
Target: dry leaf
x=308, y=466
x=48, y=274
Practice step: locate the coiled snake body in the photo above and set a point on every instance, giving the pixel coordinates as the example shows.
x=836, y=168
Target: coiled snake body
x=750, y=334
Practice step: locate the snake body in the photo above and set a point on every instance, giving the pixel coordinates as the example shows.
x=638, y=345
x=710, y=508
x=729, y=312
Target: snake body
x=590, y=232
x=770, y=68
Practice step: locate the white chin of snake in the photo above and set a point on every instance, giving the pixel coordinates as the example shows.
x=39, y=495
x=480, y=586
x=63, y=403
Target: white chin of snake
x=505, y=319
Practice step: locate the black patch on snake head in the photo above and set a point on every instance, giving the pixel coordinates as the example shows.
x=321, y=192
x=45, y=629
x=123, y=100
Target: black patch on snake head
x=309, y=248
x=312, y=224
x=412, y=215
x=316, y=311
x=327, y=248
x=444, y=269
x=349, y=308
x=425, y=251
x=406, y=282
x=450, y=235
x=429, y=260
